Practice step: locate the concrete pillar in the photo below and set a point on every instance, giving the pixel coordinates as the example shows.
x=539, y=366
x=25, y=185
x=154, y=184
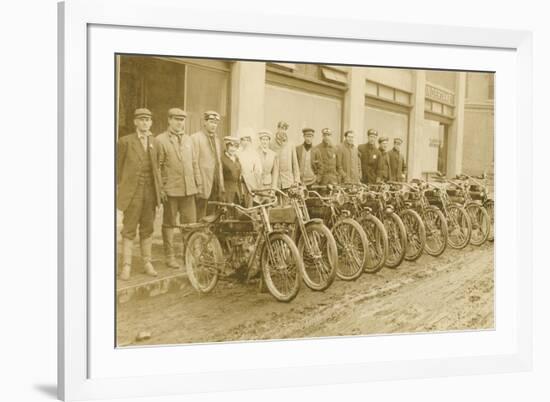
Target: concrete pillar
x=416, y=125
x=456, y=130
x=247, y=97
x=354, y=104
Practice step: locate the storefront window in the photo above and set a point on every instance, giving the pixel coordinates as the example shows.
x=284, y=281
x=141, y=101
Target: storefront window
x=388, y=124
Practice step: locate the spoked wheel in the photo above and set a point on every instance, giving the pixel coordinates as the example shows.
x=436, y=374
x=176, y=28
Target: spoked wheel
x=459, y=225
x=320, y=256
x=397, y=240
x=377, y=243
x=490, y=207
x=481, y=223
x=281, y=267
x=416, y=234
x=352, y=246
x=436, y=231
x=203, y=260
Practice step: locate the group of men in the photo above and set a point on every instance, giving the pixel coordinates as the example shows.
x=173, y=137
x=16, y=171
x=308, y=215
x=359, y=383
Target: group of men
x=183, y=171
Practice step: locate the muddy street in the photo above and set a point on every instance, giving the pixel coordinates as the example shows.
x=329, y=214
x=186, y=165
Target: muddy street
x=450, y=292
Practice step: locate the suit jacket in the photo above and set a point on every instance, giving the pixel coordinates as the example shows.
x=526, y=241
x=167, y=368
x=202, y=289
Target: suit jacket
x=251, y=168
x=209, y=162
x=348, y=163
x=383, y=170
x=369, y=162
x=397, y=165
x=289, y=170
x=232, y=179
x=270, y=169
x=324, y=163
x=179, y=168
x=130, y=155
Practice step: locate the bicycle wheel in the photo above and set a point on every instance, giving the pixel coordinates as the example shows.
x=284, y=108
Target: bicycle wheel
x=481, y=223
x=459, y=225
x=352, y=246
x=416, y=234
x=490, y=207
x=397, y=240
x=320, y=256
x=281, y=267
x=203, y=260
x=377, y=238
x=436, y=231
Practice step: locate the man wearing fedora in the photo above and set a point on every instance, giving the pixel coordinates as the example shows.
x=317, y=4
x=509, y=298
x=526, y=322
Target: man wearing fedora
x=138, y=190
x=369, y=157
x=289, y=170
x=181, y=179
x=209, y=151
x=398, y=167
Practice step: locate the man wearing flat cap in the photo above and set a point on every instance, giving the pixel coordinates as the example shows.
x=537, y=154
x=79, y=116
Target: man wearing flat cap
x=369, y=157
x=303, y=153
x=231, y=166
x=324, y=160
x=398, y=168
x=181, y=179
x=289, y=170
x=383, y=168
x=348, y=161
x=138, y=190
x=209, y=152
x=270, y=162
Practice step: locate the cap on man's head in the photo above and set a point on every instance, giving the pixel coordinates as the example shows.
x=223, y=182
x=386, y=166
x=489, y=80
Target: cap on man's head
x=397, y=140
x=211, y=115
x=372, y=131
x=383, y=139
x=348, y=132
x=308, y=131
x=177, y=112
x=229, y=139
x=142, y=112
x=264, y=133
x=246, y=138
x=326, y=131
x=282, y=125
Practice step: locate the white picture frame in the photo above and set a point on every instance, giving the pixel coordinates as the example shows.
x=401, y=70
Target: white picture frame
x=78, y=17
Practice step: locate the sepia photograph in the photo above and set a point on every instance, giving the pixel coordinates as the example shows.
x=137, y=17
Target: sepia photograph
x=269, y=200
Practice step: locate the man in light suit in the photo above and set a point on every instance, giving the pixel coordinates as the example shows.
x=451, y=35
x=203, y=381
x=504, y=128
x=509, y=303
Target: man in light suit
x=270, y=162
x=209, y=151
x=138, y=190
x=181, y=179
x=398, y=167
x=289, y=170
x=251, y=167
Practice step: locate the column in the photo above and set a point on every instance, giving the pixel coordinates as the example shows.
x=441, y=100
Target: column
x=416, y=125
x=456, y=130
x=354, y=104
x=247, y=97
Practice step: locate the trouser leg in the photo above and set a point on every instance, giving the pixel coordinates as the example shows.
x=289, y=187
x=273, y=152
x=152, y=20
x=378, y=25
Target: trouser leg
x=127, y=245
x=168, y=224
x=201, y=204
x=146, y=246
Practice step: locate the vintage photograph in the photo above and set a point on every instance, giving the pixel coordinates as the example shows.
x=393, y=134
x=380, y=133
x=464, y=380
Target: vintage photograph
x=267, y=200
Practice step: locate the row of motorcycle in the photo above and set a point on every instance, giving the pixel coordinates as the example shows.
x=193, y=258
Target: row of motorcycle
x=316, y=234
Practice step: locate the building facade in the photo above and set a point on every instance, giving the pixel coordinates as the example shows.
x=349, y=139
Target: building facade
x=445, y=118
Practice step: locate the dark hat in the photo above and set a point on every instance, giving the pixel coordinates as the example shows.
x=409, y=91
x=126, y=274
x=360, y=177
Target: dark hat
x=265, y=133
x=246, y=138
x=231, y=140
x=383, y=139
x=397, y=140
x=177, y=112
x=308, y=131
x=282, y=125
x=372, y=131
x=347, y=132
x=141, y=112
x=211, y=115
x=326, y=131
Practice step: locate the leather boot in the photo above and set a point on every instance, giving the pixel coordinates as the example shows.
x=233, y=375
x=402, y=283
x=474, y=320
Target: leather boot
x=127, y=245
x=146, y=245
x=168, y=240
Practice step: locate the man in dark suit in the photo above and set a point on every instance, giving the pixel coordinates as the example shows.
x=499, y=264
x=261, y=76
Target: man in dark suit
x=369, y=157
x=398, y=167
x=383, y=168
x=181, y=179
x=138, y=190
x=232, y=178
x=304, y=156
x=324, y=160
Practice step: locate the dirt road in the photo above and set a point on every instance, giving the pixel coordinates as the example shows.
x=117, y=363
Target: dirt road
x=451, y=292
